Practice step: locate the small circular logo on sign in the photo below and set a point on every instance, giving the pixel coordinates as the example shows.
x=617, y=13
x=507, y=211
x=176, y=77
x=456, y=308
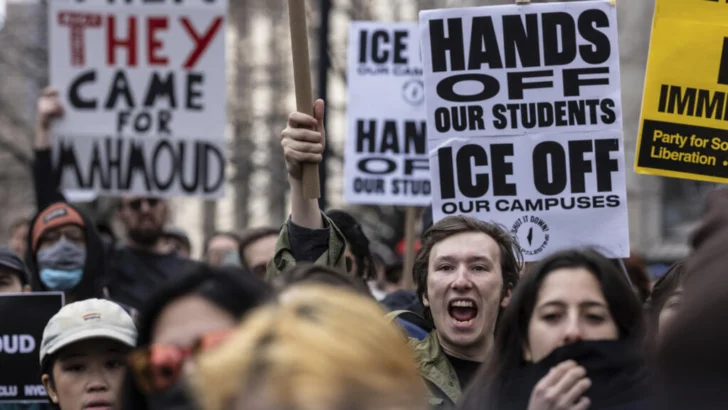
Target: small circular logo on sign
x=413, y=92
x=533, y=234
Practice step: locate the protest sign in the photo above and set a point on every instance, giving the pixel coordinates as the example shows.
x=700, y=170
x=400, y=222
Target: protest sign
x=684, y=124
x=525, y=123
x=386, y=159
x=143, y=87
x=20, y=336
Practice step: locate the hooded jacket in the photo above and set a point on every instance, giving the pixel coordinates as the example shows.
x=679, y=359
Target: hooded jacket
x=94, y=270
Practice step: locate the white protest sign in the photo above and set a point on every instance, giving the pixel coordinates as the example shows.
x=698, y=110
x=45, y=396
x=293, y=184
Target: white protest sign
x=525, y=123
x=143, y=88
x=386, y=161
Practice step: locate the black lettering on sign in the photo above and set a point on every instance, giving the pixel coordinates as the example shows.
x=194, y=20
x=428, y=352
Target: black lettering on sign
x=459, y=118
x=549, y=158
x=467, y=157
x=549, y=155
x=693, y=102
x=559, y=39
x=477, y=185
x=160, y=86
x=521, y=40
x=111, y=169
x=384, y=48
x=373, y=136
x=557, y=113
x=723, y=70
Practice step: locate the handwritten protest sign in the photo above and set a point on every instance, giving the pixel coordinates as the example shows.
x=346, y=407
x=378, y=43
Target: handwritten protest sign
x=684, y=124
x=386, y=160
x=143, y=86
x=20, y=336
x=524, y=122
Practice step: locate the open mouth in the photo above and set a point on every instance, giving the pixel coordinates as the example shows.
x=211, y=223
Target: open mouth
x=464, y=311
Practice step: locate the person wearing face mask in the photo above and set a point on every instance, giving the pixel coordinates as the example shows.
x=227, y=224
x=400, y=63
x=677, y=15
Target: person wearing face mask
x=65, y=253
x=83, y=355
x=570, y=339
x=183, y=318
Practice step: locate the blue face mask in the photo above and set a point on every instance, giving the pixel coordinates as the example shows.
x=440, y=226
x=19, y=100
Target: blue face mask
x=62, y=280
x=61, y=265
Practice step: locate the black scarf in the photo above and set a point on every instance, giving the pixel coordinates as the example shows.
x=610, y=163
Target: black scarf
x=616, y=369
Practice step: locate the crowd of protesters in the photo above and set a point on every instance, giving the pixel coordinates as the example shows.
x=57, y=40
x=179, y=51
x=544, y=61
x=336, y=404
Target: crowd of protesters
x=309, y=316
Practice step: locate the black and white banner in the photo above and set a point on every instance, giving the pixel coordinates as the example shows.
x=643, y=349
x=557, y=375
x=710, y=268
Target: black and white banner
x=525, y=123
x=23, y=318
x=143, y=87
x=386, y=159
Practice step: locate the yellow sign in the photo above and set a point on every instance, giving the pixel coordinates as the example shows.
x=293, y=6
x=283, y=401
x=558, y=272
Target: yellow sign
x=684, y=124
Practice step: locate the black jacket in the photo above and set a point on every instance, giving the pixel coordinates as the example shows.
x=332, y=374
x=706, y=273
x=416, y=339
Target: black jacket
x=616, y=369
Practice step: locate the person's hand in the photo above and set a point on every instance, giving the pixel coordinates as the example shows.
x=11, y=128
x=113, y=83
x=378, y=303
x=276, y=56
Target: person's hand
x=561, y=389
x=303, y=139
x=49, y=108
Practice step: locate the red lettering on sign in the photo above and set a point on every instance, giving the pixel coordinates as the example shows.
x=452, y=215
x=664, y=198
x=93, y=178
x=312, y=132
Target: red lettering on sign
x=77, y=22
x=130, y=43
x=201, y=42
x=155, y=24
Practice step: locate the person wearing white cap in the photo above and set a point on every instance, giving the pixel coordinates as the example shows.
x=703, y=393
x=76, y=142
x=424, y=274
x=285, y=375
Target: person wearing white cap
x=83, y=355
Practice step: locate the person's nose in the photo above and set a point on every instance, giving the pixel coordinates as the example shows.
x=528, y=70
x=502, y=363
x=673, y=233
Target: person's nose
x=462, y=280
x=97, y=380
x=572, y=333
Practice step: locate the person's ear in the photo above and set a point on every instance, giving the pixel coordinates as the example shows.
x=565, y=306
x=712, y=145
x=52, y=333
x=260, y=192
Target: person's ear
x=506, y=299
x=27, y=289
x=50, y=388
x=425, y=301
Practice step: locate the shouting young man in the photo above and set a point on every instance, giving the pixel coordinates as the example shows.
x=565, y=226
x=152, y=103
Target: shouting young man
x=464, y=273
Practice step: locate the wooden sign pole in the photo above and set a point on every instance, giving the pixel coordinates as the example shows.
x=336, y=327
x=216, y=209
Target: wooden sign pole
x=302, y=83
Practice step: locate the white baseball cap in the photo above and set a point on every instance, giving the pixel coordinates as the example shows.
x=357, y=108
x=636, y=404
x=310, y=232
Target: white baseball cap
x=87, y=319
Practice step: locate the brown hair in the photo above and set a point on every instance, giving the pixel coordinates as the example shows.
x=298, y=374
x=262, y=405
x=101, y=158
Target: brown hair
x=510, y=252
x=304, y=273
x=317, y=348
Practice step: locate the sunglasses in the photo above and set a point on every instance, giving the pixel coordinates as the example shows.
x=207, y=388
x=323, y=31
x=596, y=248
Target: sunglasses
x=137, y=203
x=157, y=367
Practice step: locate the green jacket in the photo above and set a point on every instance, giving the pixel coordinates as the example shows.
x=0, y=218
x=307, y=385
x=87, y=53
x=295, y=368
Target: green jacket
x=435, y=369
x=333, y=256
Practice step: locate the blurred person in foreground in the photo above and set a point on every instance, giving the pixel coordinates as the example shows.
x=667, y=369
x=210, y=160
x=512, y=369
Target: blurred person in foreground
x=185, y=317
x=13, y=273
x=692, y=363
x=569, y=339
x=83, y=355
x=317, y=348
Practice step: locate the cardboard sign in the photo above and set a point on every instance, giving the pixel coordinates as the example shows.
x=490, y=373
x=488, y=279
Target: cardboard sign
x=22, y=320
x=684, y=124
x=386, y=159
x=143, y=87
x=524, y=121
